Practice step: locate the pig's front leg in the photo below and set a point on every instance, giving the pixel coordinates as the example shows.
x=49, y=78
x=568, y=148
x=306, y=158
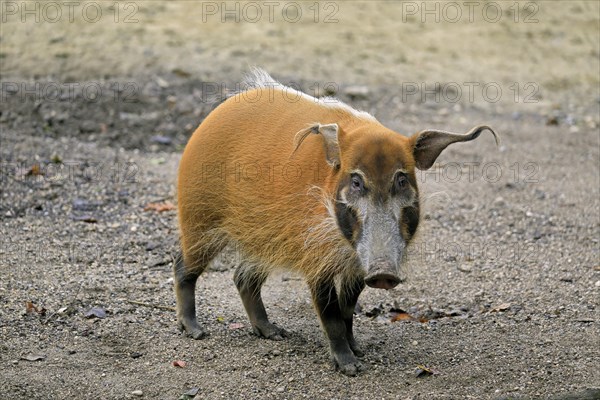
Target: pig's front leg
x=349, y=293
x=329, y=310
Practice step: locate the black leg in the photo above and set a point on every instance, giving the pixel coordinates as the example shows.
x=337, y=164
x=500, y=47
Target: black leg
x=185, y=289
x=249, y=282
x=348, y=299
x=328, y=307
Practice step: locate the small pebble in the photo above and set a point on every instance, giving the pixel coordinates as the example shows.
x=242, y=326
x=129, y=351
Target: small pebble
x=88, y=126
x=465, y=268
x=161, y=82
x=415, y=343
x=160, y=139
x=281, y=389
x=137, y=393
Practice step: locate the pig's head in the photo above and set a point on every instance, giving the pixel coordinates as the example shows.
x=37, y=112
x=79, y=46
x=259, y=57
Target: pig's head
x=377, y=198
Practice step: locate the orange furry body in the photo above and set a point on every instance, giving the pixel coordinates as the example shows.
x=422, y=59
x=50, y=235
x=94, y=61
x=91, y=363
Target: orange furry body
x=240, y=180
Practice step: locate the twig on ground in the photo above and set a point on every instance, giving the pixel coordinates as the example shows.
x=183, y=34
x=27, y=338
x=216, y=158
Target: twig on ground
x=69, y=305
x=151, y=305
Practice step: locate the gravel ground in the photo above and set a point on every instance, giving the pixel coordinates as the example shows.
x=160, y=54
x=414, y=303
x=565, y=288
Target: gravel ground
x=503, y=296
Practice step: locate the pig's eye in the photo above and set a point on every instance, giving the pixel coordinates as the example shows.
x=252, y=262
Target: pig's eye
x=356, y=183
x=401, y=181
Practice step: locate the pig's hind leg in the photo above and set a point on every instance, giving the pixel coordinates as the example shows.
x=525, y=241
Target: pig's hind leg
x=186, y=273
x=249, y=279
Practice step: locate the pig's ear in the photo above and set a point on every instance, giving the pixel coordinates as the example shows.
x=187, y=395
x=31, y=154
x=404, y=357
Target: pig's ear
x=331, y=145
x=428, y=144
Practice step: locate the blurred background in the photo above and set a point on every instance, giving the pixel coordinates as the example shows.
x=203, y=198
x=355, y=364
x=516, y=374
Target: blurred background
x=553, y=45
x=517, y=58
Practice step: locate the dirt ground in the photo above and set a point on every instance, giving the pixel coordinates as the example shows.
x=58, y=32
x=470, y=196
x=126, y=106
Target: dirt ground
x=503, y=296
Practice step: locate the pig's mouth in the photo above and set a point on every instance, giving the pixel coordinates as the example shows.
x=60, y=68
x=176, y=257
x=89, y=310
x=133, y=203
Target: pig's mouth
x=382, y=281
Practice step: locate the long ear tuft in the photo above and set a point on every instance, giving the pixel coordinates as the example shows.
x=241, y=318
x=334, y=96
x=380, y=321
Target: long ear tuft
x=428, y=144
x=330, y=141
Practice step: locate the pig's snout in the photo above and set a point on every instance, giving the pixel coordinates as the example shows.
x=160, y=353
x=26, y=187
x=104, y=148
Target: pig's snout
x=383, y=274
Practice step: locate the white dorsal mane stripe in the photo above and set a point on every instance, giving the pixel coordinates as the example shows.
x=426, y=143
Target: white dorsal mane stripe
x=259, y=78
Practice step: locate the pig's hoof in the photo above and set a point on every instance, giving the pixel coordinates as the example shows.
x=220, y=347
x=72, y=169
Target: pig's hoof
x=351, y=369
x=357, y=352
x=197, y=333
x=347, y=364
x=269, y=331
x=193, y=330
x=355, y=348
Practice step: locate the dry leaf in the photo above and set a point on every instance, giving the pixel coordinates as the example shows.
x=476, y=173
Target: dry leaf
x=33, y=357
x=501, y=307
x=190, y=394
x=84, y=218
x=35, y=170
x=95, y=312
x=401, y=317
x=31, y=308
x=423, y=371
x=160, y=207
